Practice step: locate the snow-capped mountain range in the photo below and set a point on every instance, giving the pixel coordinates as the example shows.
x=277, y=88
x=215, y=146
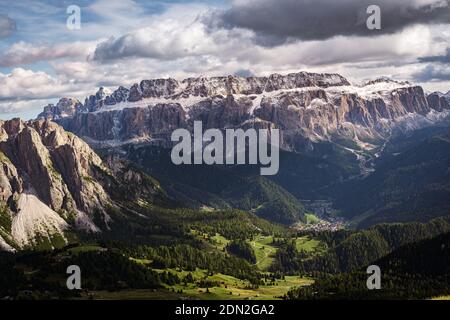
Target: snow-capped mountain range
x=307, y=107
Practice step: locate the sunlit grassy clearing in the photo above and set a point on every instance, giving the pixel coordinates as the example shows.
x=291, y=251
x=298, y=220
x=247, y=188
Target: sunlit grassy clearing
x=309, y=245
x=264, y=251
x=233, y=288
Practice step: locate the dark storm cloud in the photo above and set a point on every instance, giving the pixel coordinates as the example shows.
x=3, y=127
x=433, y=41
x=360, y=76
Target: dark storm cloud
x=442, y=59
x=7, y=26
x=432, y=73
x=323, y=19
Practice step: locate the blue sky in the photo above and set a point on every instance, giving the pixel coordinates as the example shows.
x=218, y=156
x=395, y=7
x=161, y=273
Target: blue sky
x=123, y=41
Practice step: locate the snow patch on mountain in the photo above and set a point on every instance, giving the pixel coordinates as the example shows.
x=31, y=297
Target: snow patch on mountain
x=372, y=90
x=414, y=121
x=186, y=103
x=316, y=103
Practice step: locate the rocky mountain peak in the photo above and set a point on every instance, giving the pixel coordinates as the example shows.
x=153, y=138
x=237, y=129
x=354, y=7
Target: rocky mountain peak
x=48, y=173
x=306, y=106
x=191, y=88
x=52, y=182
x=101, y=93
x=119, y=95
x=66, y=107
x=438, y=101
x=11, y=127
x=96, y=101
x=207, y=87
x=386, y=80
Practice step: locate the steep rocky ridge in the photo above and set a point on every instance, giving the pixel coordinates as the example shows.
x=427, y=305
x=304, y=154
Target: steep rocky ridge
x=45, y=179
x=52, y=183
x=307, y=107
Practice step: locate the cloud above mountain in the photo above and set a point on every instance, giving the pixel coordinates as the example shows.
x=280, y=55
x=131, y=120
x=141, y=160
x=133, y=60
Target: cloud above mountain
x=275, y=21
x=26, y=84
x=445, y=58
x=122, y=42
x=433, y=73
x=24, y=53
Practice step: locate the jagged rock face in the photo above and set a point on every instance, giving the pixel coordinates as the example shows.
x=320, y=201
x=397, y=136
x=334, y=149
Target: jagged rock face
x=75, y=160
x=209, y=87
x=41, y=156
x=158, y=88
x=437, y=102
x=135, y=93
x=66, y=107
x=52, y=181
x=120, y=95
x=306, y=106
x=97, y=126
x=446, y=96
x=95, y=102
x=44, y=167
x=221, y=112
x=129, y=123
x=197, y=87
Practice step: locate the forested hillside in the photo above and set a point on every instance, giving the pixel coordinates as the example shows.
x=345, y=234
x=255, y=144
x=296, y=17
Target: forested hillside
x=414, y=271
x=353, y=250
x=411, y=183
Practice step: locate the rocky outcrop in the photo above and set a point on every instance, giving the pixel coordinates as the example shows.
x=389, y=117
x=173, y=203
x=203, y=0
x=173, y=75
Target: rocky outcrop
x=46, y=174
x=95, y=102
x=158, y=88
x=66, y=107
x=120, y=95
x=51, y=181
x=220, y=112
x=42, y=156
x=306, y=106
x=438, y=102
x=97, y=126
x=157, y=121
x=446, y=96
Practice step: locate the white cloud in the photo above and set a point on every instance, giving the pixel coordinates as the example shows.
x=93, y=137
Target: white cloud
x=176, y=43
x=26, y=109
x=25, y=84
x=174, y=34
x=22, y=88
x=25, y=53
x=22, y=83
x=175, y=37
